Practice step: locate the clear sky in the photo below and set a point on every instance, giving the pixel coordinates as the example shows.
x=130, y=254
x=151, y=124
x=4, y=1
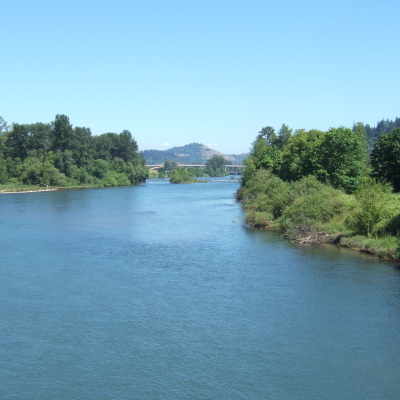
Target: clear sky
x=215, y=72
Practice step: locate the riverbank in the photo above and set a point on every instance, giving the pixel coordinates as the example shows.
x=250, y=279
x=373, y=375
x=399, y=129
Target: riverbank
x=310, y=212
x=28, y=191
x=12, y=189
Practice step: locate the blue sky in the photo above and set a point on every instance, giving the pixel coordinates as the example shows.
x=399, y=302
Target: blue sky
x=215, y=72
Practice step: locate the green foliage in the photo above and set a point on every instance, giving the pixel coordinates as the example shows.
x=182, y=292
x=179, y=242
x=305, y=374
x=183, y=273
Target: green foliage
x=197, y=172
x=372, y=199
x=268, y=134
x=162, y=173
x=99, y=168
x=136, y=173
x=336, y=157
x=300, y=155
x=17, y=141
x=384, y=247
x=215, y=166
x=181, y=175
x=64, y=161
x=315, y=207
x=341, y=159
x=265, y=198
x=12, y=165
x=385, y=158
x=374, y=132
x=3, y=126
x=63, y=134
x=3, y=169
x=58, y=154
x=393, y=225
x=170, y=165
x=35, y=172
x=315, y=171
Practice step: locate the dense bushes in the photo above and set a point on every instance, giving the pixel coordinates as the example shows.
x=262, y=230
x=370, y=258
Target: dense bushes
x=315, y=186
x=181, y=175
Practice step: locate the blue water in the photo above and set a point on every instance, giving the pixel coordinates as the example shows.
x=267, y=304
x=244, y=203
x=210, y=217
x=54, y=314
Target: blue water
x=159, y=292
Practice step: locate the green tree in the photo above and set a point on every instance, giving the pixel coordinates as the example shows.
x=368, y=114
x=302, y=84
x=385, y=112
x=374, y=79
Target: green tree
x=64, y=161
x=12, y=165
x=299, y=157
x=17, y=141
x=3, y=169
x=372, y=207
x=284, y=135
x=99, y=168
x=265, y=155
x=3, y=126
x=340, y=159
x=63, y=134
x=104, y=146
x=181, y=175
x=361, y=131
x=126, y=146
x=385, y=158
x=216, y=166
x=83, y=145
x=268, y=134
x=34, y=172
x=170, y=165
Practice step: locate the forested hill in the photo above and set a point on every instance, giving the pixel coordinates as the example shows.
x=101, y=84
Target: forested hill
x=383, y=126
x=58, y=154
x=193, y=153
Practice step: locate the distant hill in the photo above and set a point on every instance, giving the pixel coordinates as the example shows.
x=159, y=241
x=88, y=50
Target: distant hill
x=193, y=153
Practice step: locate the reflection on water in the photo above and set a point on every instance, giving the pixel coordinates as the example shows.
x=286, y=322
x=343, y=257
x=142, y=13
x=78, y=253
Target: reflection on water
x=156, y=292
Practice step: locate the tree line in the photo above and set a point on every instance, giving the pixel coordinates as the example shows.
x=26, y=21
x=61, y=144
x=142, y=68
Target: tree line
x=326, y=181
x=215, y=166
x=58, y=154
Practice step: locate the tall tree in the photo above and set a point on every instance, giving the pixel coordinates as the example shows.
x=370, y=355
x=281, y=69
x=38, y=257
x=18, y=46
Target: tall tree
x=341, y=159
x=170, y=165
x=83, y=146
x=63, y=134
x=216, y=166
x=268, y=133
x=127, y=146
x=283, y=136
x=17, y=141
x=385, y=158
x=40, y=138
x=3, y=125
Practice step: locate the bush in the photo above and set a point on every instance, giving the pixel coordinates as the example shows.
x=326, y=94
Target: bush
x=99, y=168
x=181, y=175
x=265, y=198
x=315, y=208
x=373, y=210
x=34, y=172
x=258, y=219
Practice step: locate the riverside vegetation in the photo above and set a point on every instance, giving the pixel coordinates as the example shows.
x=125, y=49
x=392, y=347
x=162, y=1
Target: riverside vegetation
x=33, y=156
x=326, y=187
x=215, y=166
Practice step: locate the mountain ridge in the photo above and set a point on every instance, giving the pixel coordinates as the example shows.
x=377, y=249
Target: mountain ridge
x=193, y=153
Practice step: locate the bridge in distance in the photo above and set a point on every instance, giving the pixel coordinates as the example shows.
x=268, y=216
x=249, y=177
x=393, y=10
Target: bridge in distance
x=230, y=169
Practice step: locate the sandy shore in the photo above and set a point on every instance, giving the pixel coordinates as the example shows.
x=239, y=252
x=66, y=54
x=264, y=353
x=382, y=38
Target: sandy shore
x=30, y=191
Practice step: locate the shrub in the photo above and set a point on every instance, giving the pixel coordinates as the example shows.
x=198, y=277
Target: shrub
x=316, y=207
x=181, y=175
x=372, y=199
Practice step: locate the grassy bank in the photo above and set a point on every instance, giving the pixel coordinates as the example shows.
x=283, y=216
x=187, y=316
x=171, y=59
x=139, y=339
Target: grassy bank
x=310, y=212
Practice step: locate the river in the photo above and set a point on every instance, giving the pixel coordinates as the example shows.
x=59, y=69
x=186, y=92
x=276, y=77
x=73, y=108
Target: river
x=159, y=292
